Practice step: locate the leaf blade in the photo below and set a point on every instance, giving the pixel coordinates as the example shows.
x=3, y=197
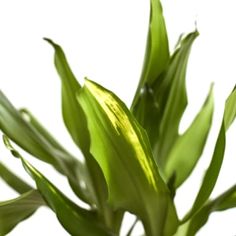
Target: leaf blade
x=14, y=211
x=112, y=125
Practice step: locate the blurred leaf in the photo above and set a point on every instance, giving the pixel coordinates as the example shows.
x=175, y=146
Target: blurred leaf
x=189, y=146
x=13, y=181
x=32, y=138
x=157, y=48
x=78, y=174
x=14, y=211
x=122, y=150
x=213, y=170
x=76, y=220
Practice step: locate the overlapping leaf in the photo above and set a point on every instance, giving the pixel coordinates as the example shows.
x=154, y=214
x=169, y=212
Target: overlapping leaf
x=161, y=104
x=76, y=123
x=189, y=146
x=14, y=211
x=223, y=202
x=157, y=48
x=171, y=95
x=31, y=136
x=122, y=150
x=213, y=170
x=76, y=220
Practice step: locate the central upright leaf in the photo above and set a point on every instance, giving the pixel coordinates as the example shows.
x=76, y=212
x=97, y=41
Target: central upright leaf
x=122, y=149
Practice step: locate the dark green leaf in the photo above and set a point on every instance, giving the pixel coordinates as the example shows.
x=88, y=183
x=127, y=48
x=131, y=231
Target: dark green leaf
x=223, y=202
x=157, y=48
x=171, y=97
x=13, y=181
x=14, y=211
x=189, y=146
x=122, y=150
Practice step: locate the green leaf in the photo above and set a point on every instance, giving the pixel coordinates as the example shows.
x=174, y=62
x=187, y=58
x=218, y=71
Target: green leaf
x=171, y=95
x=189, y=146
x=78, y=173
x=76, y=220
x=161, y=104
x=223, y=202
x=32, y=138
x=157, y=48
x=76, y=123
x=213, y=170
x=14, y=211
x=13, y=181
x=122, y=150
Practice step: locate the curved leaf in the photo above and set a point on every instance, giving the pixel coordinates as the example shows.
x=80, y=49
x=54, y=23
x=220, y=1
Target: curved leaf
x=122, y=150
x=76, y=123
x=189, y=146
x=13, y=181
x=157, y=48
x=30, y=138
x=14, y=211
x=78, y=173
x=213, y=170
x=223, y=202
x=175, y=101
x=76, y=220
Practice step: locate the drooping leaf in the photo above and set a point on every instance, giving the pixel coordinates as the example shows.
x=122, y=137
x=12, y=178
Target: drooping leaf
x=213, y=170
x=76, y=123
x=189, y=146
x=14, y=211
x=33, y=140
x=157, y=48
x=122, y=150
x=76, y=220
x=13, y=181
x=77, y=174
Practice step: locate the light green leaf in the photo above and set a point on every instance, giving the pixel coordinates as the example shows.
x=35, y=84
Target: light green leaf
x=14, y=211
x=76, y=123
x=189, y=146
x=76, y=220
x=31, y=137
x=13, y=181
x=213, y=170
x=122, y=150
x=157, y=48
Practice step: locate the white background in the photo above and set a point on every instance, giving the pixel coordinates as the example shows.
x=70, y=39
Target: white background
x=105, y=40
